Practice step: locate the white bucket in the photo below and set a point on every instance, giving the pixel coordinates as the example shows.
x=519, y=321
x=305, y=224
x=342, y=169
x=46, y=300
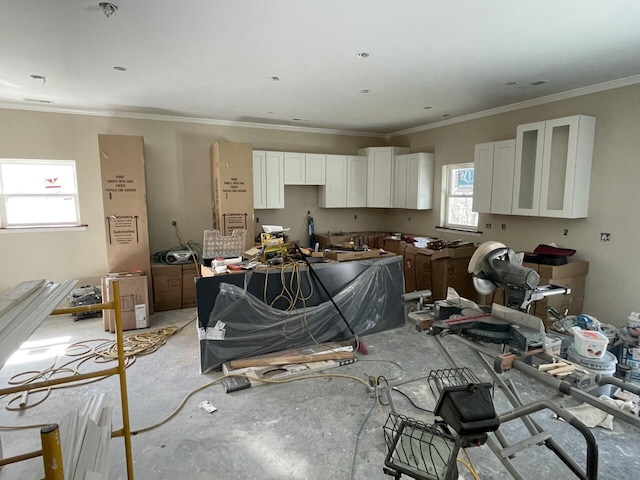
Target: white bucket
x=605, y=366
x=590, y=343
x=634, y=320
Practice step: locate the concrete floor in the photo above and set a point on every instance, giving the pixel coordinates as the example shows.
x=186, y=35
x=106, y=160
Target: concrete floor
x=302, y=430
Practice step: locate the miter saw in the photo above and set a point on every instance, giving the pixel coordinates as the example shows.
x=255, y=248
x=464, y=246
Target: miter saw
x=494, y=265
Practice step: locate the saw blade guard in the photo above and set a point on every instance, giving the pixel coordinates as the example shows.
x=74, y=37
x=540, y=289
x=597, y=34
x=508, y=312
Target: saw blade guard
x=494, y=265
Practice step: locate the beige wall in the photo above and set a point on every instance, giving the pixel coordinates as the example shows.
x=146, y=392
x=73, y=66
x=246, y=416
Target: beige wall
x=178, y=176
x=179, y=188
x=614, y=195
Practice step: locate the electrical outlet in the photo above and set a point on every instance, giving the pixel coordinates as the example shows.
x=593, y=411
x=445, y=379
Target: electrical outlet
x=487, y=226
x=174, y=223
x=257, y=219
x=565, y=232
x=504, y=226
x=605, y=237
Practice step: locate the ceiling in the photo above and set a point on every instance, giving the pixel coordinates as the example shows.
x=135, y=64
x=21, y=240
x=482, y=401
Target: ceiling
x=295, y=62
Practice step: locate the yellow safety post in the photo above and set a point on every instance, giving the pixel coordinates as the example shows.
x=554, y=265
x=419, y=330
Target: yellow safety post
x=51, y=452
x=126, y=429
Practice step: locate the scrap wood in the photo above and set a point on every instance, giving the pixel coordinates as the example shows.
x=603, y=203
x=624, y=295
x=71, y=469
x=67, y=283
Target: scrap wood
x=566, y=369
x=544, y=367
x=286, y=360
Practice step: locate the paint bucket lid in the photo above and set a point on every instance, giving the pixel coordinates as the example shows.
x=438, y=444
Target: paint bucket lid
x=606, y=362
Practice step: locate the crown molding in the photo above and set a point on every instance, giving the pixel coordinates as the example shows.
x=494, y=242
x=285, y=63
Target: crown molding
x=179, y=119
x=556, y=97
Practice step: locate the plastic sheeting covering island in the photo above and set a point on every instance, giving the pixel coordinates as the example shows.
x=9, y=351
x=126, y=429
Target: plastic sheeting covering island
x=240, y=325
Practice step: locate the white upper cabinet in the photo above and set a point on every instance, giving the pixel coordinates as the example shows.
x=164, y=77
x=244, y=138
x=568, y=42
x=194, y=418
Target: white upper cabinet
x=268, y=179
x=413, y=181
x=553, y=167
x=304, y=168
x=380, y=174
x=494, y=165
x=346, y=182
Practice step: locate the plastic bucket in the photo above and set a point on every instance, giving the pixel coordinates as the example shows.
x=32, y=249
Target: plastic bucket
x=631, y=358
x=634, y=320
x=605, y=366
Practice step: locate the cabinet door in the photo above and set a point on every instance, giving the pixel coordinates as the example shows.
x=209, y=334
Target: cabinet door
x=528, y=169
x=566, y=167
x=294, y=168
x=400, y=181
x=275, y=179
x=483, y=177
x=315, y=169
x=333, y=193
x=420, y=181
x=379, y=177
x=356, y=187
x=504, y=157
x=259, y=179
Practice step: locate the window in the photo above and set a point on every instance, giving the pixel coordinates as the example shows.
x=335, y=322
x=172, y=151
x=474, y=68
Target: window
x=37, y=193
x=457, y=195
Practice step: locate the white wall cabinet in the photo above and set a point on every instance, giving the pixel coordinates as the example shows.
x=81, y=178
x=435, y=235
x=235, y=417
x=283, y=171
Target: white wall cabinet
x=413, y=181
x=380, y=174
x=304, y=168
x=553, y=167
x=268, y=179
x=494, y=165
x=346, y=182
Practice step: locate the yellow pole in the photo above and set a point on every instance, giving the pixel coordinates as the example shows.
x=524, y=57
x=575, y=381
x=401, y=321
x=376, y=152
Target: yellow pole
x=123, y=379
x=51, y=452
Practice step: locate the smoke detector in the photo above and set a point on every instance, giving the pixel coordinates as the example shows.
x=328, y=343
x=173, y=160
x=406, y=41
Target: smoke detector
x=108, y=8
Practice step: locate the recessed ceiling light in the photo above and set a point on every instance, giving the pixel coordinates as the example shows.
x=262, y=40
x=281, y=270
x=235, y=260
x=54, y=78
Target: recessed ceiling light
x=364, y=91
x=120, y=69
x=539, y=82
x=362, y=55
x=427, y=108
x=108, y=8
x=39, y=77
x=510, y=83
x=275, y=79
x=445, y=115
x=37, y=100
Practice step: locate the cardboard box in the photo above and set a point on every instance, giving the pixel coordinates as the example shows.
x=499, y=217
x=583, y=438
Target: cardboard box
x=572, y=275
x=346, y=256
x=409, y=260
x=423, y=269
x=391, y=244
x=232, y=177
x=189, y=274
x=134, y=301
x=167, y=286
x=449, y=269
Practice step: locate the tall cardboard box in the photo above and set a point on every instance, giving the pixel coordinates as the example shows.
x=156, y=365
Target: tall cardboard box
x=134, y=301
x=124, y=200
x=167, y=286
x=232, y=177
x=449, y=268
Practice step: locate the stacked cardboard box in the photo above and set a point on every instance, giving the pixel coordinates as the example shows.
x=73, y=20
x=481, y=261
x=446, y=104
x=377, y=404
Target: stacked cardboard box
x=173, y=286
x=134, y=301
x=572, y=275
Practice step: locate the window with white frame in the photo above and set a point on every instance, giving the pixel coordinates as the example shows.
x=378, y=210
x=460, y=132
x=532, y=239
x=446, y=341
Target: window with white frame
x=457, y=197
x=38, y=193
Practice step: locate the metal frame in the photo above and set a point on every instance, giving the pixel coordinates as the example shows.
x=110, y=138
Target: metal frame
x=50, y=436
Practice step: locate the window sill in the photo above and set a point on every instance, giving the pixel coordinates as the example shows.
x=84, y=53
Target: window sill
x=473, y=233
x=75, y=228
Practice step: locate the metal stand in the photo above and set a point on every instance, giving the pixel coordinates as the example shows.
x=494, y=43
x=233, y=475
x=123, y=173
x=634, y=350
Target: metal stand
x=498, y=443
x=50, y=437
